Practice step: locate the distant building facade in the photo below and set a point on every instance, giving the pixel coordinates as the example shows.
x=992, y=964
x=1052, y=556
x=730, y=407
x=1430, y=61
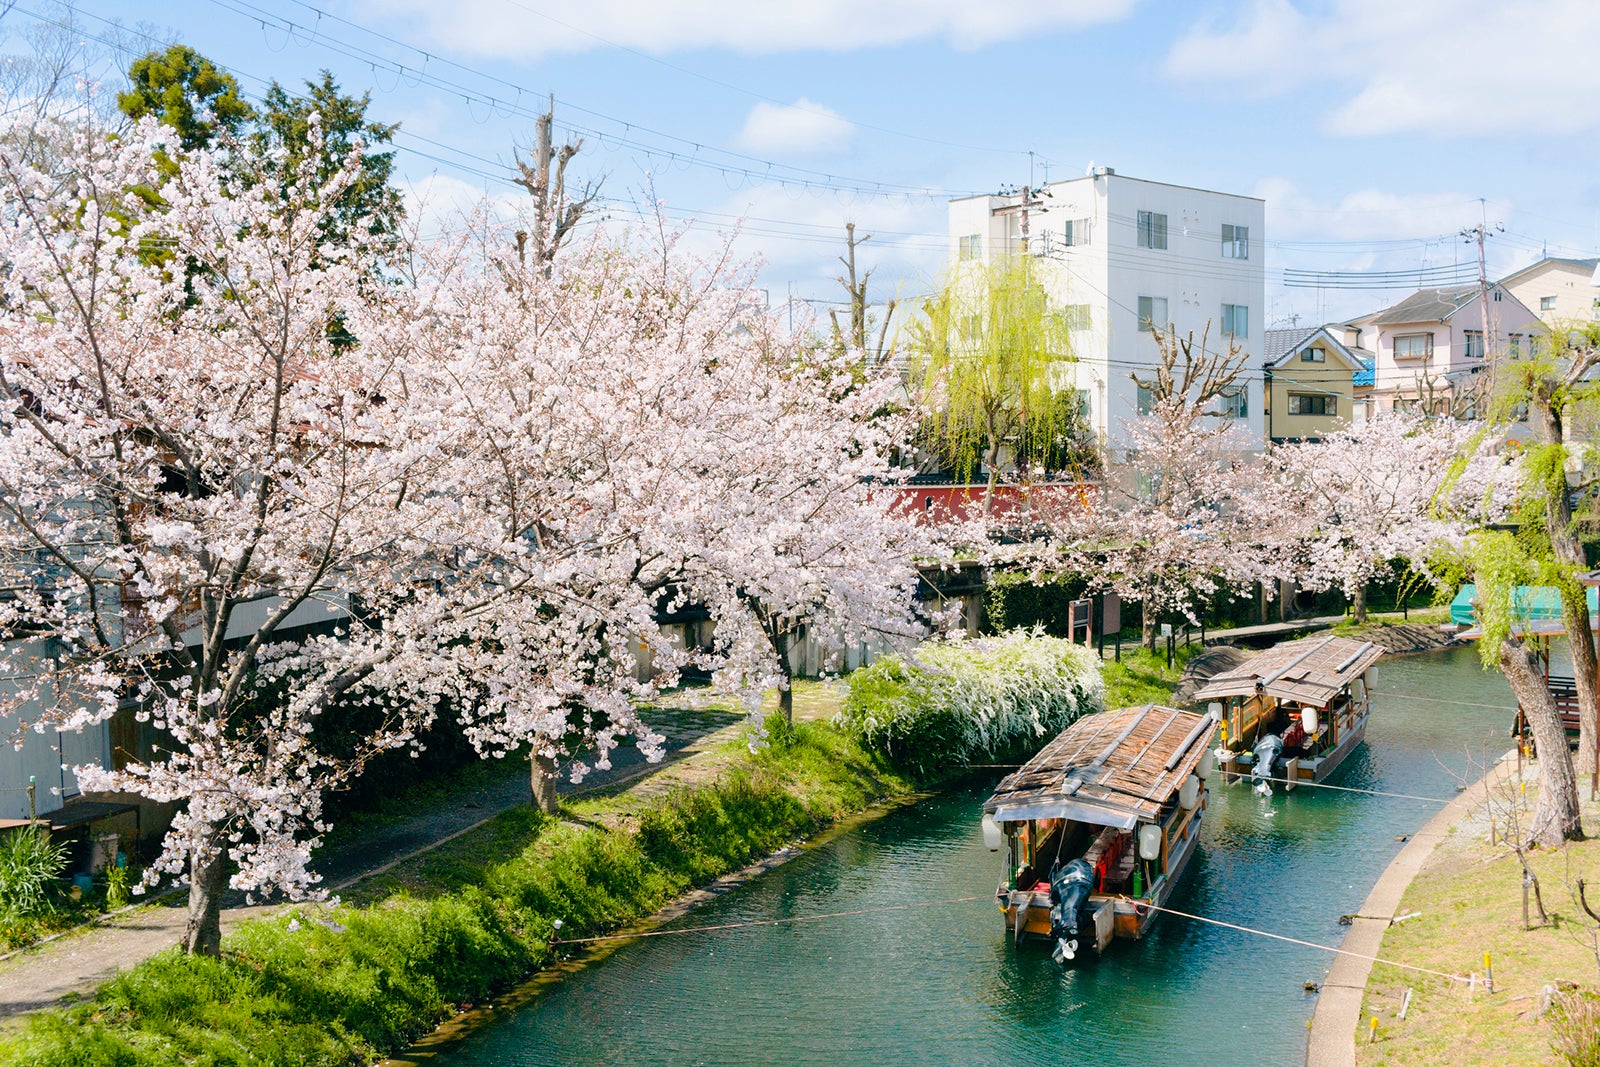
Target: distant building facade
x=1309, y=382
x=1558, y=290
x=1119, y=254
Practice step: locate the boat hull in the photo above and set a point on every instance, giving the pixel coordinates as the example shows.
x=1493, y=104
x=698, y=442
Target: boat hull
x=1126, y=918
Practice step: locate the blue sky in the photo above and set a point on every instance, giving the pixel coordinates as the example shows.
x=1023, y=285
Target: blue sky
x=1375, y=130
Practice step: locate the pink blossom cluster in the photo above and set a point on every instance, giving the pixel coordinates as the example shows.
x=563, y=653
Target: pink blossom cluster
x=249, y=476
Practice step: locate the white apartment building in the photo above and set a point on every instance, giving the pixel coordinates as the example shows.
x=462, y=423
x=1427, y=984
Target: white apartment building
x=1120, y=253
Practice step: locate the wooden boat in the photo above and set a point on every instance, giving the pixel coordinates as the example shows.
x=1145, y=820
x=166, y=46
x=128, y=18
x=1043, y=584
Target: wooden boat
x=1310, y=693
x=1099, y=825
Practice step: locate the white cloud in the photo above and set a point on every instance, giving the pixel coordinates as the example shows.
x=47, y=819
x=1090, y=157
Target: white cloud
x=797, y=129
x=1366, y=230
x=1420, y=66
x=506, y=28
x=1371, y=215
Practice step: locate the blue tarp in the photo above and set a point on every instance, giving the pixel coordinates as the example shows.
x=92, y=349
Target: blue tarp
x=1533, y=603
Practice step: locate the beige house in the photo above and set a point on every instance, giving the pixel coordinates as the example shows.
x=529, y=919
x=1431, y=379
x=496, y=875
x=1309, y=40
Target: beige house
x=1310, y=383
x=1558, y=289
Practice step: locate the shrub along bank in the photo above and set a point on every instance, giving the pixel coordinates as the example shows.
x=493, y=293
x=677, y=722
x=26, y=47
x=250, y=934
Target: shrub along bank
x=958, y=703
x=347, y=985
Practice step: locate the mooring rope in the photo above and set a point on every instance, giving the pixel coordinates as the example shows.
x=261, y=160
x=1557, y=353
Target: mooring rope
x=766, y=922
x=1441, y=700
x=1294, y=940
x=1299, y=784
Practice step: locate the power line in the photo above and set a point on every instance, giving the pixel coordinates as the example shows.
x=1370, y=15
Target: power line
x=747, y=167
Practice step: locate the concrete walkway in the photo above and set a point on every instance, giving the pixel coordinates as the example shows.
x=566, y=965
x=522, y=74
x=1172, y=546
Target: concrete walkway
x=1332, y=1041
x=72, y=966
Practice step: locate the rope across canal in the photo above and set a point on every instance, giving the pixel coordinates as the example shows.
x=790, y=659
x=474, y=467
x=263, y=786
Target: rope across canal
x=1295, y=940
x=766, y=922
x=822, y=916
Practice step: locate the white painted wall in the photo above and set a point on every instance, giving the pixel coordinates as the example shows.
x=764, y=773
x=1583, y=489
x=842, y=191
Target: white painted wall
x=1111, y=272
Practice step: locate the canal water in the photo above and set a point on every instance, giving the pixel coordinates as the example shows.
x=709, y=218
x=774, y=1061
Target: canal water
x=942, y=984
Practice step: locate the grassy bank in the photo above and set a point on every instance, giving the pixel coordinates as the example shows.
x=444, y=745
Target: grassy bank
x=1468, y=901
x=347, y=985
x=1143, y=677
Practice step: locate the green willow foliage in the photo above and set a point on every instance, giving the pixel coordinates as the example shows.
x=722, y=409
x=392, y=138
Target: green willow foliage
x=994, y=352
x=964, y=702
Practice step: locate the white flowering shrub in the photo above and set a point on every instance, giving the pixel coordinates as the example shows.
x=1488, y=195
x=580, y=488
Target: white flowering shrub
x=956, y=703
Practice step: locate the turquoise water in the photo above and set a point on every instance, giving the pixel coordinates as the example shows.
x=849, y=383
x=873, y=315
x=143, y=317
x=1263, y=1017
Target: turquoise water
x=943, y=985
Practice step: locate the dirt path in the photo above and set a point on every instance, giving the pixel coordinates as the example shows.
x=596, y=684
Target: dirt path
x=74, y=965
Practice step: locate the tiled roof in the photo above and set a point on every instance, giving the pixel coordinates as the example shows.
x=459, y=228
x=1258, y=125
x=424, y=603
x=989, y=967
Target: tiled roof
x=1428, y=305
x=1277, y=342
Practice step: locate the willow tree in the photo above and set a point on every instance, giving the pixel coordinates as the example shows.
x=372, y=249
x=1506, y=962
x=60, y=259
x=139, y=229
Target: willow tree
x=1499, y=562
x=1553, y=385
x=990, y=354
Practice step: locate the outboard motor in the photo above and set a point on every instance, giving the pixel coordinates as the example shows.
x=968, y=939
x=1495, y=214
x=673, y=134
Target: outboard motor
x=1070, y=887
x=1268, y=748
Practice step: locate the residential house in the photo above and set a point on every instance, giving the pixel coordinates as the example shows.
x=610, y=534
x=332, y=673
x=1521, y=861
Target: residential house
x=1432, y=347
x=1309, y=382
x=1121, y=255
x=1558, y=289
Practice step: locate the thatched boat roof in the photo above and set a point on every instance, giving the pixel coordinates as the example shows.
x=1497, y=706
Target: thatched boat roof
x=1116, y=768
x=1311, y=671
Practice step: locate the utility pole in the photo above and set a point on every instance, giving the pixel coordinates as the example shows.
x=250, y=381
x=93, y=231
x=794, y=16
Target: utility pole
x=1491, y=320
x=1029, y=199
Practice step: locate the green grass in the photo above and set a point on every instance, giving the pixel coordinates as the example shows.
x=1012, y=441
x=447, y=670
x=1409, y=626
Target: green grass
x=1469, y=900
x=1143, y=677
x=345, y=986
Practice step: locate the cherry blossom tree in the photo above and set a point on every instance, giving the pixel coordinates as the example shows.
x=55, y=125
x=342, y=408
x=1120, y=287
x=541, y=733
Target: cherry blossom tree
x=1165, y=531
x=283, y=481
x=724, y=461
x=1342, y=510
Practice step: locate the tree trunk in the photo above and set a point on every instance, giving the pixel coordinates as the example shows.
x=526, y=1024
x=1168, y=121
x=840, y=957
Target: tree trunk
x=786, y=691
x=992, y=461
x=543, y=776
x=1580, y=640
x=1568, y=551
x=1555, y=817
x=1359, y=602
x=202, y=933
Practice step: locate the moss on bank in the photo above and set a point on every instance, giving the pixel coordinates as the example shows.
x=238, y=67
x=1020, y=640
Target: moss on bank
x=347, y=985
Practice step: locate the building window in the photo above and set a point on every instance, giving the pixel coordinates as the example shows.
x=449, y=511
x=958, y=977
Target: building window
x=1152, y=230
x=1594, y=310
x=1235, y=241
x=1474, y=343
x=1313, y=355
x=1152, y=313
x=971, y=328
x=972, y=246
x=1076, y=316
x=1077, y=232
x=1547, y=303
x=1083, y=404
x=1235, y=320
x=1533, y=346
x=1405, y=403
x=1236, y=405
x=1145, y=403
x=1413, y=346
x=1309, y=404
x=1516, y=346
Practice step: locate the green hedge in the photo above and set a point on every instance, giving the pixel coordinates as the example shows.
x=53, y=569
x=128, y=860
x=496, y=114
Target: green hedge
x=348, y=986
x=963, y=702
